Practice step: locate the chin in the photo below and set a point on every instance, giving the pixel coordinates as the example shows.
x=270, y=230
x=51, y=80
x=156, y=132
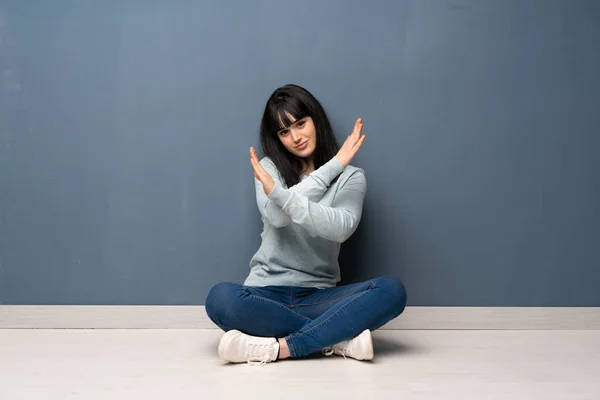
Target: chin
x=304, y=154
x=307, y=152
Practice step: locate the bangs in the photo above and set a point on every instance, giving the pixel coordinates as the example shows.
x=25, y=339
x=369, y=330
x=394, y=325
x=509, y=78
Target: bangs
x=281, y=110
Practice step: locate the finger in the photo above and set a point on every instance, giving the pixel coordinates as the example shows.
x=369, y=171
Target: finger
x=257, y=165
x=259, y=171
x=360, y=126
x=357, y=127
x=356, y=132
x=254, y=166
x=359, y=143
x=254, y=154
x=354, y=128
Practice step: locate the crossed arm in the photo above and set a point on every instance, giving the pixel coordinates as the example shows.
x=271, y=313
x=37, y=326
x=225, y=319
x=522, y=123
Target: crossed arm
x=298, y=203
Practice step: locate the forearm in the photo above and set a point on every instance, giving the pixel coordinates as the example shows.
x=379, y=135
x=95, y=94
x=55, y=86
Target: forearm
x=336, y=223
x=313, y=188
x=316, y=184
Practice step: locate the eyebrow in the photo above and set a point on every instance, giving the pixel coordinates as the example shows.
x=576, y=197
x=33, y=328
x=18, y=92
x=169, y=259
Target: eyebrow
x=300, y=120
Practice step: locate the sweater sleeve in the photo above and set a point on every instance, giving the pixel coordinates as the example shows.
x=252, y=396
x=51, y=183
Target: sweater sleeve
x=335, y=223
x=313, y=188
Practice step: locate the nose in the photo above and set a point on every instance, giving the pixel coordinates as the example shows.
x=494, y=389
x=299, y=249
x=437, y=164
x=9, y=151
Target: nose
x=296, y=136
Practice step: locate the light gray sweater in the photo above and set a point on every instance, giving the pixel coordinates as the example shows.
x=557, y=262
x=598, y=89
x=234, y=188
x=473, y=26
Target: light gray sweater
x=305, y=225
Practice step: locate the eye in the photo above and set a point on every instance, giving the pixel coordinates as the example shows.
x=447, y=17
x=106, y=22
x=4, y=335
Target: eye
x=301, y=124
x=283, y=132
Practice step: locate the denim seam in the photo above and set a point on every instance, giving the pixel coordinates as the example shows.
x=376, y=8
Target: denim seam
x=334, y=298
x=337, y=311
x=274, y=302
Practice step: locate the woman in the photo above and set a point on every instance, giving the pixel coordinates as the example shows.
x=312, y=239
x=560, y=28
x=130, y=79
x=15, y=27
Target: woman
x=311, y=200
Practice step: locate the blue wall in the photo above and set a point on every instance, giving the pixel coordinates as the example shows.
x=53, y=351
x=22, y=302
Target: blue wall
x=125, y=127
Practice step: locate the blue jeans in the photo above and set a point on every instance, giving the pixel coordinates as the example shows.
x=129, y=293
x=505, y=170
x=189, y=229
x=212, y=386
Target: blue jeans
x=309, y=319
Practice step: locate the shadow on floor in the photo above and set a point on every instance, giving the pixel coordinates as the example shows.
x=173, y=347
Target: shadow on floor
x=386, y=346
x=382, y=346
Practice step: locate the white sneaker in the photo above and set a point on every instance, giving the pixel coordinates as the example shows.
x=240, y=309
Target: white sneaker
x=237, y=347
x=359, y=347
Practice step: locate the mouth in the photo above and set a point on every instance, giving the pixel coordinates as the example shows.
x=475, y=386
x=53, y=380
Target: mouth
x=302, y=145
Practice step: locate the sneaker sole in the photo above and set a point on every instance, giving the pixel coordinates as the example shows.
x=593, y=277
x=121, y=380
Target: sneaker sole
x=224, y=343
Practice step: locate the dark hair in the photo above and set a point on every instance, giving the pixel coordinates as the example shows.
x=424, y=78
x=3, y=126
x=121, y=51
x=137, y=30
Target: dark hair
x=299, y=103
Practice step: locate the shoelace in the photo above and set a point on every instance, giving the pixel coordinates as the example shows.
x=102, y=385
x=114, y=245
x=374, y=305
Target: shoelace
x=259, y=354
x=329, y=351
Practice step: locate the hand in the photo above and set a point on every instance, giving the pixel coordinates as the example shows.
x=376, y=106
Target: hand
x=352, y=144
x=263, y=176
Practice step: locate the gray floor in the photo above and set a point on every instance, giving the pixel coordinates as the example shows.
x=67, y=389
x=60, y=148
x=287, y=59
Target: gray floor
x=183, y=364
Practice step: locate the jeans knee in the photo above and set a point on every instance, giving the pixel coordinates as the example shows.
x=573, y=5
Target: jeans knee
x=395, y=293
x=217, y=299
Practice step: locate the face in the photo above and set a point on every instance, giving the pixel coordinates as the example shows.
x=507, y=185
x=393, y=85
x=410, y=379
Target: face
x=300, y=137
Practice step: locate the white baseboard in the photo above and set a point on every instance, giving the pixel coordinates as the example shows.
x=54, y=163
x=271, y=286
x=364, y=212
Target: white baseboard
x=194, y=317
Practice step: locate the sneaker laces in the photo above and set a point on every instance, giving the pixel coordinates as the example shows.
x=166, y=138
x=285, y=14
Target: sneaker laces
x=328, y=351
x=259, y=354
x=340, y=347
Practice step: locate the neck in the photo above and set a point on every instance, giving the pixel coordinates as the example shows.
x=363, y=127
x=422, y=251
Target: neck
x=308, y=166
